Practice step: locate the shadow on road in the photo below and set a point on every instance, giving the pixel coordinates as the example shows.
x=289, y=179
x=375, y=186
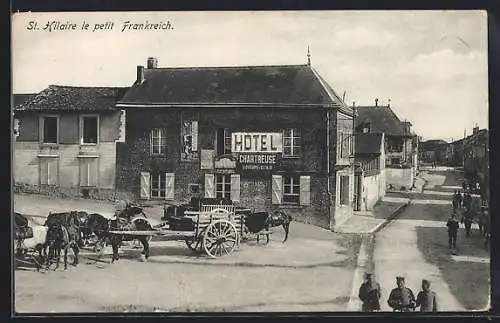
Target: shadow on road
x=468, y=281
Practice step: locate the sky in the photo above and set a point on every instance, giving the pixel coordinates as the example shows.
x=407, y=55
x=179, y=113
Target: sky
x=431, y=65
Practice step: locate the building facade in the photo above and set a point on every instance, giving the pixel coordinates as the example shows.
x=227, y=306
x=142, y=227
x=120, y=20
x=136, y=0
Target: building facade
x=401, y=144
x=66, y=141
x=265, y=137
x=370, y=175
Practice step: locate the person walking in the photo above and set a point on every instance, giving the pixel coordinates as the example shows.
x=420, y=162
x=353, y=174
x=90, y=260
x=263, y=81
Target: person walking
x=467, y=202
x=401, y=298
x=452, y=225
x=369, y=293
x=460, y=199
x=467, y=220
x=426, y=298
x=454, y=201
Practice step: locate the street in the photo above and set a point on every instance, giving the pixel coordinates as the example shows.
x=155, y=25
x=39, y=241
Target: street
x=312, y=271
x=416, y=245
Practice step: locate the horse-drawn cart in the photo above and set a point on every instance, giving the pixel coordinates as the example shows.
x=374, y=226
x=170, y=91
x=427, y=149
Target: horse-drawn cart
x=216, y=230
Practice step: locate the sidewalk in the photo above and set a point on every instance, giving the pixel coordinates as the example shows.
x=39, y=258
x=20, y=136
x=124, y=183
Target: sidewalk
x=367, y=222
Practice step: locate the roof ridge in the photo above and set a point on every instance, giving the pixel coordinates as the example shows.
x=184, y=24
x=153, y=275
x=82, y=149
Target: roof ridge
x=84, y=87
x=216, y=67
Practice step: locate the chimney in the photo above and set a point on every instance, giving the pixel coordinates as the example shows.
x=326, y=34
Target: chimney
x=376, y=102
x=140, y=74
x=353, y=103
x=475, y=130
x=152, y=62
x=389, y=103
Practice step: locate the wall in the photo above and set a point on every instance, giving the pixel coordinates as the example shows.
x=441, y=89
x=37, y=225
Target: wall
x=400, y=177
x=371, y=191
x=27, y=148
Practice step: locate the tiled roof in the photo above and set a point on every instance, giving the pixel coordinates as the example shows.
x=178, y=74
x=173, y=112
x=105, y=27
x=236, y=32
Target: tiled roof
x=368, y=143
x=248, y=85
x=18, y=99
x=431, y=144
x=73, y=98
x=381, y=119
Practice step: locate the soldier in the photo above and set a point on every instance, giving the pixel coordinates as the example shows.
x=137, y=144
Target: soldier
x=452, y=225
x=401, y=298
x=455, y=200
x=426, y=298
x=369, y=293
x=467, y=220
x=460, y=199
x=467, y=202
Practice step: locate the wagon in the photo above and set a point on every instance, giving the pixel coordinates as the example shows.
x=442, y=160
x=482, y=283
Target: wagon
x=217, y=230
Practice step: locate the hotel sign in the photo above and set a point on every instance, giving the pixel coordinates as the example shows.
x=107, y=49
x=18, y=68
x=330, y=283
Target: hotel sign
x=257, y=142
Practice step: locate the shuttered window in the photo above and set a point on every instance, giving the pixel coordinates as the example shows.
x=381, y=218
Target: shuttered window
x=209, y=186
x=223, y=186
x=89, y=129
x=158, y=185
x=291, y=189
x=277, y=189
x=235, y=187
x=189, y=138
x=305, y=190
x=49, y=170
x=169, y=186
x=145, y=185
x=88, y=172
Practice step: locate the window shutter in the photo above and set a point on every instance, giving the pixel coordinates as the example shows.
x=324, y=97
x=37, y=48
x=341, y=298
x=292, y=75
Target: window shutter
x=194, y=135
x=277, y=189
x=209, y=186
x=305, y=190
x=44, y=171
x=235, y=187
x=94, y=169
x=84, y=172
x=169, y=186
x=145, y=185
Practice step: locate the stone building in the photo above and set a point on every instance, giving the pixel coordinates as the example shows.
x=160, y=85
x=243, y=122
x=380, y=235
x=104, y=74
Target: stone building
x=264, y=136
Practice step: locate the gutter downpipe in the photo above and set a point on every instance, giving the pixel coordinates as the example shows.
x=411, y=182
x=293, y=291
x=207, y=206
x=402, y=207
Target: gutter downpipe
x=328, y=150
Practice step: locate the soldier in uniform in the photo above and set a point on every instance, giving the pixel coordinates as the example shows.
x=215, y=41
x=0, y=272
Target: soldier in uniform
x=401, y=298
x=452, y=225
x=369, y=293
x=467, y=220
x=426, y=298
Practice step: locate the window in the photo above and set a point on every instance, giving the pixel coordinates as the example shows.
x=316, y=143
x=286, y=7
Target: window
x=291, y=189
x=158, y=185
x=345, y=144
x=395, y=161
x=366, y=128
x=50, y=130
x=189, y=137
x=88, y=171
x=223, y=186
x=223, y=141
x=89, y=126
x=344, y=190
x=158, y=141
x=49, y=170
x=292, y=145
x=395, y=145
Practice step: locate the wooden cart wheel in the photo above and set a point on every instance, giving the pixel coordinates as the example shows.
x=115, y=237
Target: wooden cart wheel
x=193, y=244
x=220, y=238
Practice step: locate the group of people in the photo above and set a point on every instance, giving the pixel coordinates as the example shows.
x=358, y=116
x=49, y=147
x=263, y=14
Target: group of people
x=464, y=204
x=401, y=298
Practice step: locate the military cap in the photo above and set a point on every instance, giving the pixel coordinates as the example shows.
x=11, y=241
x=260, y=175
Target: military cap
x=425, y=281
x=400, y=277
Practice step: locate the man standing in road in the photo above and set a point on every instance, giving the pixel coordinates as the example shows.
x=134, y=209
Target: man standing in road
x=401, y=298
x=426, y=298
x=467, y=220
x=452, y=225
x=369, y=293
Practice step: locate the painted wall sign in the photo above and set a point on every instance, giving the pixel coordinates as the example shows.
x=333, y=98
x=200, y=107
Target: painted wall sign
x=257, y=162
x=257, y=142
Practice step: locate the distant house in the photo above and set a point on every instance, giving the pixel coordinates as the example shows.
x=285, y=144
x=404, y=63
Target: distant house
x=430, y=151
x=266, y=137
x=401, y=144
x=370, y=176
x=67, y=140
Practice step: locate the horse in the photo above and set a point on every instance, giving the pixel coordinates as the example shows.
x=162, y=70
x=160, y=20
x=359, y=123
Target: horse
x=263, y=221
x=74, y=220
x=60, y=238
x=100, y=226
